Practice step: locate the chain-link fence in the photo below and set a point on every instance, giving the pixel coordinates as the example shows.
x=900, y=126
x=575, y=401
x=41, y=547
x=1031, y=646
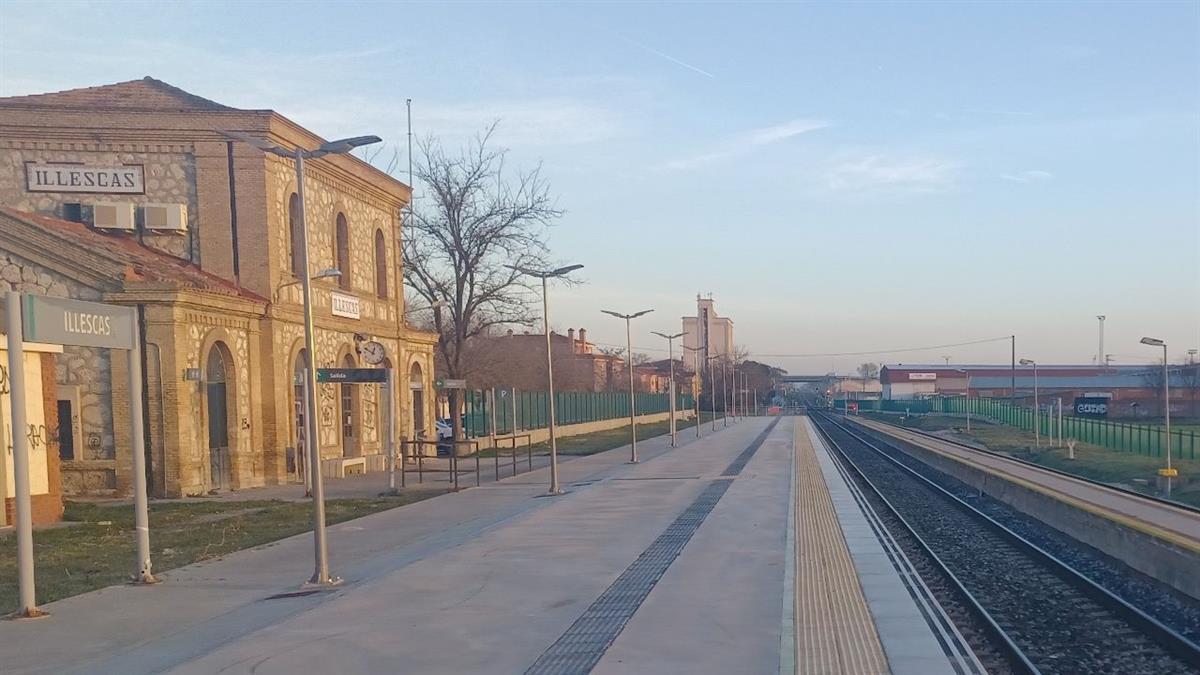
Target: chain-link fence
x=531, y=409
x=1142, y=439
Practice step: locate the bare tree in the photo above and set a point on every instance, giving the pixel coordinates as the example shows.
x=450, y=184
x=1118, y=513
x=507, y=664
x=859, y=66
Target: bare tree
x=476, y=218
x=868, y=371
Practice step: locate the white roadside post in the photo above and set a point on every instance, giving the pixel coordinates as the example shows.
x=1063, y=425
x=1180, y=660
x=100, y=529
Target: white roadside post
x=633, y=456
x=27, y=601
x=545, y=275
x=671, y=389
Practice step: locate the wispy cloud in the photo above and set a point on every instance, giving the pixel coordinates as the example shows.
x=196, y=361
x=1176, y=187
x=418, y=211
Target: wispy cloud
x=1030, y=176
x=910, y=174
x=668, y=57
x=747, y=141
x=995, y=111
x=533, y=122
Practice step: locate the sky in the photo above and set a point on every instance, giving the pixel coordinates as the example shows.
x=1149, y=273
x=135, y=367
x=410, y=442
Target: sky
x=851, y=177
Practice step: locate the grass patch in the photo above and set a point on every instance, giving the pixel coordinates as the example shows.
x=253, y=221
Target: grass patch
x=98, y=548
x=1137, y=472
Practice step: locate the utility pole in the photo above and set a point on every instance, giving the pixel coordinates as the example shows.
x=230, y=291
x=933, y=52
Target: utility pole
x=1100, y=353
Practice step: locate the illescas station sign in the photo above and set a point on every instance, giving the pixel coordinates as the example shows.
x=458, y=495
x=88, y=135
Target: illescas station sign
x=76, y=322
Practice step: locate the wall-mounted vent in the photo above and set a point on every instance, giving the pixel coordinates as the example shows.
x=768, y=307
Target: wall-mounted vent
x=165, y=217
x=113, y=216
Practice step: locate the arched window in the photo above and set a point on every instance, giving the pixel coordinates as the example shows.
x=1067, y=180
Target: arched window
x=342, y=251
x=381, y=274
x=294, y=235
x=217, y=400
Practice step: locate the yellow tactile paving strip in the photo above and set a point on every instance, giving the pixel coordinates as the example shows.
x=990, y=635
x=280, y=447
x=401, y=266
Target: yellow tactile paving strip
x=835, y=633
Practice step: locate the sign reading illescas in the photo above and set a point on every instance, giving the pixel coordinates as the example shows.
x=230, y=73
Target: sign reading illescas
x=124, y=179
x=60, y=321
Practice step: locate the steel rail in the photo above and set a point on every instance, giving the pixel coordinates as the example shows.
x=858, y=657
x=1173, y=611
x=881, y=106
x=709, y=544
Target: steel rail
x=1173, y=642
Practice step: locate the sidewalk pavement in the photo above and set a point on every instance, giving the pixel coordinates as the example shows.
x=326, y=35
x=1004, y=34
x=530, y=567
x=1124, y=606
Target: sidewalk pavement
x=481, y=580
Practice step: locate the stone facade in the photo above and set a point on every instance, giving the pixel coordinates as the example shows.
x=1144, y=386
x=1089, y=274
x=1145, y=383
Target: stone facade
x=170, y=175
x=219, y=305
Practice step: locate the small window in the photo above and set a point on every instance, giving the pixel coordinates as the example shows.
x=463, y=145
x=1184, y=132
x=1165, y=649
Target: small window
x=381, y=272
x=342, y=251
x=73, y=211
x=295, y=251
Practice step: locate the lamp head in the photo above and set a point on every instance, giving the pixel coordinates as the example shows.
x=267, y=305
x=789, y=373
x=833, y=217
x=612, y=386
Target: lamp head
x=1153, y=342
x=1027, y=362
x=347, y=144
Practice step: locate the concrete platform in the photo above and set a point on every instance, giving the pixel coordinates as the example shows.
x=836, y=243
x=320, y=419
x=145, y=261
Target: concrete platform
x=699, y=559
x=869, y=611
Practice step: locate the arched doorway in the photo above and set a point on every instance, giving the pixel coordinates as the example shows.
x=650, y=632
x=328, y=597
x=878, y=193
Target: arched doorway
x=216, y=397
x=296, y=463
x=349, y=418
x=416, y=384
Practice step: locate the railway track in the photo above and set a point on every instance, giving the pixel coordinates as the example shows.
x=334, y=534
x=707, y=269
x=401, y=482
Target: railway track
x=1118, y=489
x=1037, y=613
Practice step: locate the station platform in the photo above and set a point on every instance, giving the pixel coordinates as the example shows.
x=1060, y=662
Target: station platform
x=744, y=551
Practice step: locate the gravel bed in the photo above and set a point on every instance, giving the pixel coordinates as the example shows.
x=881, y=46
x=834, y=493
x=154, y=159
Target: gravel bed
x=1165, y=604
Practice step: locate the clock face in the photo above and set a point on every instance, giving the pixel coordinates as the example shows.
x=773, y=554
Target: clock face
x=372, y=352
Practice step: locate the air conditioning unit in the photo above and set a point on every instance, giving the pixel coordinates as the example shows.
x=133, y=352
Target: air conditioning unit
x=113, y=216
x=165, y=217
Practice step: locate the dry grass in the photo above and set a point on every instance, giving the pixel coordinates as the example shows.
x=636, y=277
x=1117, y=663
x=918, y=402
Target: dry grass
x=95, y=548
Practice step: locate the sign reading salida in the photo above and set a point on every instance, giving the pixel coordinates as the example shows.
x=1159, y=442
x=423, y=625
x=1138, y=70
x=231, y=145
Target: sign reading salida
x=81, y=178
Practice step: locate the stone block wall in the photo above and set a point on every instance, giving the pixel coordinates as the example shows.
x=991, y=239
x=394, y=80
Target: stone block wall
x=170, y=173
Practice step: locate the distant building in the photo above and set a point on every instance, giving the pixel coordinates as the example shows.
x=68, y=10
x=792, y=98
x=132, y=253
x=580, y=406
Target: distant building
x=708, y=332
x=854, y=387
x=656, y=376
x=1133, y=390
x=519, y=360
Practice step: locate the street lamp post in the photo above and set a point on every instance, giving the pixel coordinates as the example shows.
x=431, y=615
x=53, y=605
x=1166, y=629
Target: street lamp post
x=696, y=390
x=712, y=394
x=544, y=275
x=725, y=393
x=1037, y=432
x=633, y=456
x=1169, y=472
x=967, y=398
x=321, y=574
x=671, y=390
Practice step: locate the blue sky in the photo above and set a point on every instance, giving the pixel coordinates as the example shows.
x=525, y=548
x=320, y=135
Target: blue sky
x=842, y=177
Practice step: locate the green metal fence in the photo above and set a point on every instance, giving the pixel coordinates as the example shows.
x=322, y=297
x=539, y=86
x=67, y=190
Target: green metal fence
x=531, y=409
x=1142, y=439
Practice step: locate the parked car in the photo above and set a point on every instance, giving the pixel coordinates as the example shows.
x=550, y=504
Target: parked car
x=445, y=430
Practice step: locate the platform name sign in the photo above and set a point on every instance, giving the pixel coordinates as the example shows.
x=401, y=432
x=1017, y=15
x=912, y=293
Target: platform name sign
x=60, y=321
x=352, y=375
x=1091, y=406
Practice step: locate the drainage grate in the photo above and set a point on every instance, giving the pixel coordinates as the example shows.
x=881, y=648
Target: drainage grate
x=581, y=646
x=740, y=462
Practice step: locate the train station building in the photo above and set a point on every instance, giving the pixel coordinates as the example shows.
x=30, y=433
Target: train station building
x=129, y=194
